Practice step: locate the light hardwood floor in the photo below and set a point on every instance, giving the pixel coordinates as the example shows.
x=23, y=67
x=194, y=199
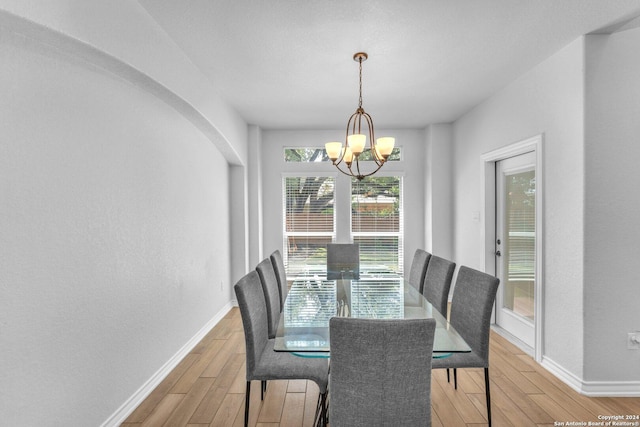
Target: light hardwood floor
x=207, y=389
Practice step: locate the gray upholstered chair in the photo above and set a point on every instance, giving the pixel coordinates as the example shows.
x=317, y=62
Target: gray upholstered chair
x=419, y=269
x=271, y=294
x=380, y=372
x=263, y=363
x=471, y=306
x=343, y=261
x=437, y=282
x=281, y=275
x=272, y=297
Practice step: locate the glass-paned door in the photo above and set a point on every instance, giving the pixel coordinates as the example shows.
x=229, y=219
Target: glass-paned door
x=516, y=245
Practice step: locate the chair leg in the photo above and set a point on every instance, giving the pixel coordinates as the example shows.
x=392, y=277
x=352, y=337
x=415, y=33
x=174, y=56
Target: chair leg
x=263, y=389
x=320, y=418
x=246, y=404
x=486, y=386
x=324, y=409
x=448, y=377
x=455, y=378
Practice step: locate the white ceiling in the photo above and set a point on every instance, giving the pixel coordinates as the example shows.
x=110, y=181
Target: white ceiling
x=287, y=64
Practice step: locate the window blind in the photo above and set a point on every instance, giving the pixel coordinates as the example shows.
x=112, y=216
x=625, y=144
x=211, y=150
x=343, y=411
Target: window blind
x=309, y=223
x=377, y=222
x=521, y=225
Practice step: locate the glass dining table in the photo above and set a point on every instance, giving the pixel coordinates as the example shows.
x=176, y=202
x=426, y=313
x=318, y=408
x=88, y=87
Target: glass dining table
x=304, y=322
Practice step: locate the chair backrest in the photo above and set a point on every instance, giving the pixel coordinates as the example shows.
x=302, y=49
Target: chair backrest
x=343, y=261
x=380, y=371
x=437, y=282
x=419, y=269
x=271, y=294
x=253, y=310
x=281, y=275
x=471, y=306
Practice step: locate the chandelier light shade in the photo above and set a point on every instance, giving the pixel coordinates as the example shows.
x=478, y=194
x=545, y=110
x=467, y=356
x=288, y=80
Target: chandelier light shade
x=359, y=127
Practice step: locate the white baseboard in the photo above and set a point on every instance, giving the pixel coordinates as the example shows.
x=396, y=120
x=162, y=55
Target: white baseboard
x=562, y=374
x=136, y=399
x=592, y=388
x=587, y=388
x=513, y=340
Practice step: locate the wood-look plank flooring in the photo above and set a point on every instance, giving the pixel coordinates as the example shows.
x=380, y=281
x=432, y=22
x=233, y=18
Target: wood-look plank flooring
x=207, y=389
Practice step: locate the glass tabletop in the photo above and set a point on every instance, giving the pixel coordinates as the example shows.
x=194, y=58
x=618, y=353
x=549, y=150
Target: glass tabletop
x=311, y=302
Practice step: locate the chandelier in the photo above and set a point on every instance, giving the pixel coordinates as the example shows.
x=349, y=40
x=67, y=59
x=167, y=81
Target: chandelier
x=356, y=140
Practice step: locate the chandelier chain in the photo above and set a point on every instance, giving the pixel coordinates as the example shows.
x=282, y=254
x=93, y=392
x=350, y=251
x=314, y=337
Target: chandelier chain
x=360, y=99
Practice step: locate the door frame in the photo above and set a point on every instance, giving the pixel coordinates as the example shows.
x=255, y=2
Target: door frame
x=488, y=229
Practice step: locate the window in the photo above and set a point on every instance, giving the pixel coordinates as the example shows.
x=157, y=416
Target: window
x=393, y=157
x=314, y=154
x=377, y=222
x=309, y=223
x=305, y=155
x=369, y=211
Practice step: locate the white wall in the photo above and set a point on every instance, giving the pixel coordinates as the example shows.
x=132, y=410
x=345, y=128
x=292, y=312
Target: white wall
x=122, y=31
x=412, y=168
x=438, y=191
x=239, y=224
x=547, y=100
x=612, y=206
x=114, y=219
x=255, y=166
